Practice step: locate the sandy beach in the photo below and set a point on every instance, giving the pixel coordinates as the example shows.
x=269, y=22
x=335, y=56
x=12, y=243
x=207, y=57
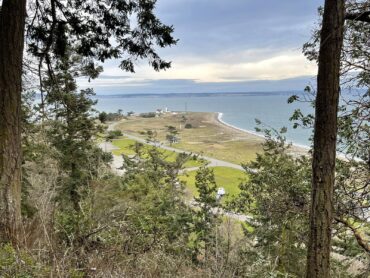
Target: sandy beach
x=297, y=149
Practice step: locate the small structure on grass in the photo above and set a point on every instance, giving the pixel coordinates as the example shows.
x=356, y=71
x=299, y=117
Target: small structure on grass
x=220, y=193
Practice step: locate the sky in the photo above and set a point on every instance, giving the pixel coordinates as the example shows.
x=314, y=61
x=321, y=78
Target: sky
x=225, y=46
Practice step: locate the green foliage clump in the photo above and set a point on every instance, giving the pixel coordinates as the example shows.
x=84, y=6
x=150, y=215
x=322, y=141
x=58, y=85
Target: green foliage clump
x=71, y=132
x=110, y=117
x=103, y=117
x=277, y=195
x=172, y=135
x=206, y=217
x=114, y=134
x=148, y=115
x=19, y=264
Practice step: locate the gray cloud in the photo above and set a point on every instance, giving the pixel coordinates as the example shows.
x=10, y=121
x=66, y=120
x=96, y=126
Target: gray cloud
x=225, y=40
x=192, y=86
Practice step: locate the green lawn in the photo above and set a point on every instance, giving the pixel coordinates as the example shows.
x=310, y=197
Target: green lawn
x=227, y=178
x=126, y=147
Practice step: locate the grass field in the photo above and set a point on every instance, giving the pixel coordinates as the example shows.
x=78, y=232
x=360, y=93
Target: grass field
x=125, y=146
x=228, y=178
x=207, y=135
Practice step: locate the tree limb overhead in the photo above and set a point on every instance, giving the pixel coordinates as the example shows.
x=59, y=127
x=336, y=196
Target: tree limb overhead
x=365, y=16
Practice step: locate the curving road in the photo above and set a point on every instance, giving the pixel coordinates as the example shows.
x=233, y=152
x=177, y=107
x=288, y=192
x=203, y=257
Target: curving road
x=212, y=161
x=118, y=161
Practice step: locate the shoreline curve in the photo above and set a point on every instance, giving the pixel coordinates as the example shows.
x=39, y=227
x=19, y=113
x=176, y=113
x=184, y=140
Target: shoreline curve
x=221, y=121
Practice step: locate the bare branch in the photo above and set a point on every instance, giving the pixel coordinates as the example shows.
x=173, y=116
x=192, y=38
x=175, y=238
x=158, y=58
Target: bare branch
x=362, y=241
x=364, y=17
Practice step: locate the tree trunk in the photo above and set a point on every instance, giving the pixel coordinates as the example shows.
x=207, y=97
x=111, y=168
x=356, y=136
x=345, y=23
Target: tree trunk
x=325, y=136
x=12, y=23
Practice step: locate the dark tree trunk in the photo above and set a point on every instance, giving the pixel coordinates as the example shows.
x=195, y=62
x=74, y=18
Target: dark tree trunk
x=324, y=153
x=12, y=23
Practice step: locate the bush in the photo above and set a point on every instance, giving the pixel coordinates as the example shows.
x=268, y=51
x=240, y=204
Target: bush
x=14, y=263
x=114, y=117
x=188, y=126
x=103, y=117
x=148, y=115
x=114, y=134
x=110, y=117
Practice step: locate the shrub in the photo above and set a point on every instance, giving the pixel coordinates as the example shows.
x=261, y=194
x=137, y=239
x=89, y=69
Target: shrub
x=114, y=134
x=15, y=263
x=188, y=126
x=103, y=117
x=110, y=117
x=148, y=115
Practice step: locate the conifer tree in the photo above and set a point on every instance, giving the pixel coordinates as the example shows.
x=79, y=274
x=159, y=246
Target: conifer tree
x=72, y=129
x=97, y=31
x=206, y=217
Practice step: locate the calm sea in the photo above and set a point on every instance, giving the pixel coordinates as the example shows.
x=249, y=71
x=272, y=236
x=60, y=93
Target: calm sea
x=239, y=110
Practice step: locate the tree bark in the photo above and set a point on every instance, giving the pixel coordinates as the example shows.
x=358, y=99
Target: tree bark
x=325, y=136
x=12, y=24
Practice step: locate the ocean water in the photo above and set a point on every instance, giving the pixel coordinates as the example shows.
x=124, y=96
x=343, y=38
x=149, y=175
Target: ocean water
x=239, y=110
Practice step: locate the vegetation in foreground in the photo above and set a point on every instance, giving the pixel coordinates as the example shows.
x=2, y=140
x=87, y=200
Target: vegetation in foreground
x=69, y=215
x=141, y=224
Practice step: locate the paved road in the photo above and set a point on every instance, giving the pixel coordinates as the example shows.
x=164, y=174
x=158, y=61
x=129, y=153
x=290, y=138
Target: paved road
x=118, y=161
x=212, y=161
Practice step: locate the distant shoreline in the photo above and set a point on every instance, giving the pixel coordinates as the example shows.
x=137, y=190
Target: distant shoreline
x=221, y=121
x=204, y=94
x=212, y=94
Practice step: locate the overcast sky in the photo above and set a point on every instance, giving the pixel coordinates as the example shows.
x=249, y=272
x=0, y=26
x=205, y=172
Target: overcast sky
x=225, y=46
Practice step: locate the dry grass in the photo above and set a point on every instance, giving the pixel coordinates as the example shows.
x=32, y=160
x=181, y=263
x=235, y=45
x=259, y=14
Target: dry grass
x=208, y=136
